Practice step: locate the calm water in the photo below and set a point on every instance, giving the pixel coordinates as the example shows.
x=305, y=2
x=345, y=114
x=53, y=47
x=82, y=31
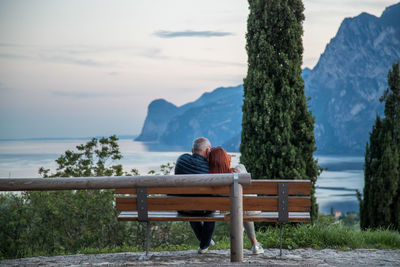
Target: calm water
x=335, y=187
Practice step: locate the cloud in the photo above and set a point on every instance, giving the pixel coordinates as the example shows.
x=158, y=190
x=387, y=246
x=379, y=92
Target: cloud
x=70, y=60
x=114, y=73
x=14, y=45
x=189, y=33
x=213, y=62
x=151, y=52
x=42, y=53
x=13, y=56
x=354, y=3
x=79, y=95
x=83, y=55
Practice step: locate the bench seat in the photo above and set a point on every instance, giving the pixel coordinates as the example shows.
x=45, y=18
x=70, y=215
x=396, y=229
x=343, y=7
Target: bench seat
x=280, y=201
x=159, y=216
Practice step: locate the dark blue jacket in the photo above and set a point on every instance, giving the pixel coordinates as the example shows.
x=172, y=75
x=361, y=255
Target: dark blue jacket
x=191, y=164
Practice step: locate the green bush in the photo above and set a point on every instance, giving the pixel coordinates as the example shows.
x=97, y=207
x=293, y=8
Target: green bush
x=13, y=225
x=47, y=223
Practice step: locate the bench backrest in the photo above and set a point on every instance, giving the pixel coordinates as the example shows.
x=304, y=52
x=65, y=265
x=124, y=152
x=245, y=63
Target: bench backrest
x=198, y=198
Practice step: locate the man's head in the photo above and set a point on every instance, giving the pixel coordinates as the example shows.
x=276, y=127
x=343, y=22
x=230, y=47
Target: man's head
x=202, y=147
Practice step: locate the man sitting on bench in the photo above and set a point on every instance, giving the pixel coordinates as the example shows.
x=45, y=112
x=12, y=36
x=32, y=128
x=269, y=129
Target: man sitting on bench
x=197, y=163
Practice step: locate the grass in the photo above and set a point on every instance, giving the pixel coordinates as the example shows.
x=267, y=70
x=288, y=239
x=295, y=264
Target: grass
x=325, y=233
x=317, y=236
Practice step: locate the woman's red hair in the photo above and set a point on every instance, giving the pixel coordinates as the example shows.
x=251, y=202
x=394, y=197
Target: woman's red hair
x=219, y=161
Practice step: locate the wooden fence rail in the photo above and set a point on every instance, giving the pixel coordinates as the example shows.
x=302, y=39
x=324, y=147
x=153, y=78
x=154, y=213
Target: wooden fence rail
x=115, y=182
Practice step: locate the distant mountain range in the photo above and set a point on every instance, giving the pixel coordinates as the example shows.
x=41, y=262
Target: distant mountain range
x=344, y=87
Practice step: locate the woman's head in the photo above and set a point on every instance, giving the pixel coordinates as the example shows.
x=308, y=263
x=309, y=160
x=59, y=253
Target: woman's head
x=219, y=161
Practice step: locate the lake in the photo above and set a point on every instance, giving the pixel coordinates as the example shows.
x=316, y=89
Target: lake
x=335, y=186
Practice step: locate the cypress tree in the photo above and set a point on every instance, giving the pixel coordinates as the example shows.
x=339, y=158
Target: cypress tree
x=277, y=127
x=380, y=205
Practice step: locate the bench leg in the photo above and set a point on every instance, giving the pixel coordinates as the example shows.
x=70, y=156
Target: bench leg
x=148, y=238
x=280, y=254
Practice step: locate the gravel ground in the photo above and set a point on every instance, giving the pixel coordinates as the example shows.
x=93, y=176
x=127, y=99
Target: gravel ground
x=297, y=257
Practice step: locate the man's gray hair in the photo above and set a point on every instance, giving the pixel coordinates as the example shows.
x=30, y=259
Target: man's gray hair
x=201, y=144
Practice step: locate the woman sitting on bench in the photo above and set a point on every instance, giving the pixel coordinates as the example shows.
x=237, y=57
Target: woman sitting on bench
x=220, y=162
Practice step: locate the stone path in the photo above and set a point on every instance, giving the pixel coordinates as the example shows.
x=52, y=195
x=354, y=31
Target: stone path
x=298, y=257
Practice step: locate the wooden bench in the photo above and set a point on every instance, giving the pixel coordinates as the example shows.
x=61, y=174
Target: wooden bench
x=280, y=201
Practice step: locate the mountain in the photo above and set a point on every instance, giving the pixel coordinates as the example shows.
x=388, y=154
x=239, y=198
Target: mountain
x=305, y=73
x=344, y=87
x=216, y=115
x=159, y=113
x=349, y=78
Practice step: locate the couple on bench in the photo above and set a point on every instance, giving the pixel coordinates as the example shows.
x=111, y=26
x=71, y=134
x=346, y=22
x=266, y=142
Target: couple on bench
x=205, y=159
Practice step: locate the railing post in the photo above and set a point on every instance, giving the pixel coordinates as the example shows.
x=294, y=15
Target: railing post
x=236, y=210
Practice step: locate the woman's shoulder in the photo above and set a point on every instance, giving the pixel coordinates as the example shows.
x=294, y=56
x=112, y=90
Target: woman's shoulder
x=240, y=168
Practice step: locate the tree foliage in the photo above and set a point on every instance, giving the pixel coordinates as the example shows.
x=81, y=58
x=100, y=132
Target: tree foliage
x=277, y=127
x=92, y=159
x=380, y=206
x=45, y=223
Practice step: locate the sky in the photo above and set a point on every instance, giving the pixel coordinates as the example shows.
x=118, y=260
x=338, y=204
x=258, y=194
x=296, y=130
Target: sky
x=82, y=68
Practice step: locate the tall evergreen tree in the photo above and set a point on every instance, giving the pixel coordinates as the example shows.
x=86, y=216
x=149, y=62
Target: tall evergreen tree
x=277, y=136
x=380, y=206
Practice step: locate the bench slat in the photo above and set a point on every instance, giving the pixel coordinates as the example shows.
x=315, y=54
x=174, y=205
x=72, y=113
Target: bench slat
x=296, y=204
x=174, y=216
x=267, y=187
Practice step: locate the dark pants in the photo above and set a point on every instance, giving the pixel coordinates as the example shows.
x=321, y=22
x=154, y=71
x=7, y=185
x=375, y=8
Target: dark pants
x=203, y=232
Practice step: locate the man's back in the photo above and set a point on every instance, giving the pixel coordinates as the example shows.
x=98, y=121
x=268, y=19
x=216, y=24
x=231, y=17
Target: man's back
x=191, y=164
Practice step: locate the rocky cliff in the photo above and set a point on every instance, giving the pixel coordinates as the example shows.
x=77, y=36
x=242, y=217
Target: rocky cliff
x=159, y=113
x=349, y=78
